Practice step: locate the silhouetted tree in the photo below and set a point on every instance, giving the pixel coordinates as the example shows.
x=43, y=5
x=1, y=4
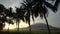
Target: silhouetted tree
x=41, y=9
x=38, y=7
x=27, y=5
x=20, y=16
x=4, y=13
x=2, y=19
x=3, y=16
x=9, y=15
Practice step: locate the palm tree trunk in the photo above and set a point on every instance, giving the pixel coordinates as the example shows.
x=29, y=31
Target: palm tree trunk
x=47, y=25
x=8, y=28
x=29, y=22
x=30, y=27
x=18, y=26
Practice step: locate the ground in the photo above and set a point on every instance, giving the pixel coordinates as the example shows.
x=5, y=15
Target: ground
x=32, y=32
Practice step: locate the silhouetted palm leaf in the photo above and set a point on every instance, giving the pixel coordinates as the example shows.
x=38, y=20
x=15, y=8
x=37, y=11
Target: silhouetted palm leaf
x=51, y=6
x=57, y=3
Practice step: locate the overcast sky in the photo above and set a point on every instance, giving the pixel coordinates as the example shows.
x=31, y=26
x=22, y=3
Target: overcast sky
x=53, y=18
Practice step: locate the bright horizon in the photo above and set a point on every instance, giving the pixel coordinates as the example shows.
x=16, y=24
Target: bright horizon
x=21, y=25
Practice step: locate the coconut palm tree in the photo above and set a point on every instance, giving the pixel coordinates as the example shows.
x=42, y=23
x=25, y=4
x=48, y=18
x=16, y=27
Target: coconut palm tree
x=17, y=18
x=27, y=5
x=43, y=11
x=39, y=7
x=8, y=15
x=20, y=16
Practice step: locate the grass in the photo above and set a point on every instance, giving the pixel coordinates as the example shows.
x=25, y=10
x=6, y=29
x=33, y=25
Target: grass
x=32, y=32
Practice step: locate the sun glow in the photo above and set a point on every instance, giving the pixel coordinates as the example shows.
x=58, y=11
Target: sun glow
x=11, y=27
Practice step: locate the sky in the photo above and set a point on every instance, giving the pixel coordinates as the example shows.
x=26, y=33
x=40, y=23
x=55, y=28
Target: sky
x=53, y=18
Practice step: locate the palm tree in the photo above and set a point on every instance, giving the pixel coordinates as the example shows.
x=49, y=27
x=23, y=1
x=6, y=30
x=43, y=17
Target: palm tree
x=27, y=6
x=41, y=8
x=20, y=16
x=8, y=13
x=38, y=7
x=17, y=18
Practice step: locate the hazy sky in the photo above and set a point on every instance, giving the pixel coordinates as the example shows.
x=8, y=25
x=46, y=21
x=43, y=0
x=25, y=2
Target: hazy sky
x=53, y=18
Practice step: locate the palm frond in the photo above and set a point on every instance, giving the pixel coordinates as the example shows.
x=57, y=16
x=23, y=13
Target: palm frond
x=24, y=1
x=23, y=4
x=57, y=3
x=51, y=6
